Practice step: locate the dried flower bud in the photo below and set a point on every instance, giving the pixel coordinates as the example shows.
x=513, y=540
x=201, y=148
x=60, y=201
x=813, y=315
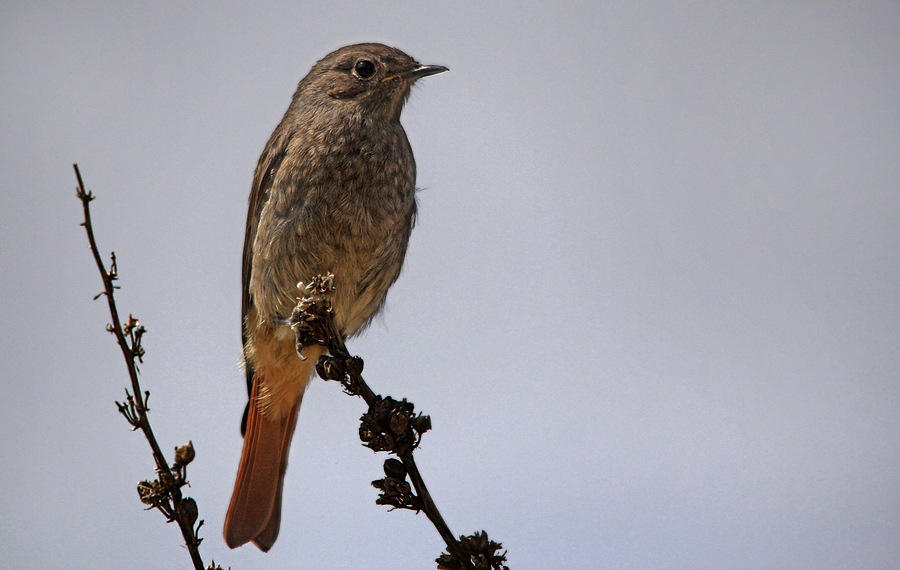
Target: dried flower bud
x=399, y=423
x=331, y=368
x=479, y=550
x=151, y=492
x=354, y=365
x=421, y=424
x=189, y=510
x=184, y=454
x=394, y=468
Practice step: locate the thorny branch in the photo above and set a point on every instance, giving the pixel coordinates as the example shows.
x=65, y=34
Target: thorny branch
x=163, y=493
x=388, y=425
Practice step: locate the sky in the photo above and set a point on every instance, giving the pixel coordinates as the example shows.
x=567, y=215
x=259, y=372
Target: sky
x=651, y=304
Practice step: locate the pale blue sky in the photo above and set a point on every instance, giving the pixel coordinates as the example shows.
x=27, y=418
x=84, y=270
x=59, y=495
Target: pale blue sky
x=652, y=302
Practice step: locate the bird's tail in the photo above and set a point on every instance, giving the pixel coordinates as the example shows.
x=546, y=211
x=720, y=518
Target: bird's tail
x=255, y=510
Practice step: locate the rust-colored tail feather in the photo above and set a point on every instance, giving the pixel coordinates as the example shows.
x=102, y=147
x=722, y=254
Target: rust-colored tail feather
x=255, y=509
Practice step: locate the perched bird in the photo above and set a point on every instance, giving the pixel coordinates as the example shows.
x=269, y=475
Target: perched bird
x=334, y=191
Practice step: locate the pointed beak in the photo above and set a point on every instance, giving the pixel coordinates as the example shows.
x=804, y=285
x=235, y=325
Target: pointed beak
x=418, y=71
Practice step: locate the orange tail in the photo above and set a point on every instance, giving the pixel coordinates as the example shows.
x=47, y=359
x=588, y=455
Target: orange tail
x=255, y=509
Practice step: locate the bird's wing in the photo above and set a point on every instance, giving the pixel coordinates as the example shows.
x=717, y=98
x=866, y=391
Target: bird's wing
x=266, y=168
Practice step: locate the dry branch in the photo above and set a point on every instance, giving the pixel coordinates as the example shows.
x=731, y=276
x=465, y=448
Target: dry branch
x=164, y=492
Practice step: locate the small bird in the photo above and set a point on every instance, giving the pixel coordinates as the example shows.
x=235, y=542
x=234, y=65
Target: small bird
x=334, y=191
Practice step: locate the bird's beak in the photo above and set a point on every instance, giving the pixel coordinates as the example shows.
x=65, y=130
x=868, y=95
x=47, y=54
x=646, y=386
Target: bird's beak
x=418, y=72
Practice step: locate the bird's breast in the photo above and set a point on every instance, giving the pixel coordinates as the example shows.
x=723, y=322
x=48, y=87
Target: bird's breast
x=343, y=204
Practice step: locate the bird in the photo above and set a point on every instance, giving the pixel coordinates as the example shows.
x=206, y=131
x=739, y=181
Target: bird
x=333, y=192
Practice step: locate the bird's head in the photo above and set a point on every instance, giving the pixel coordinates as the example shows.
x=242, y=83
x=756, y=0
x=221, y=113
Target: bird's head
x=369, y=78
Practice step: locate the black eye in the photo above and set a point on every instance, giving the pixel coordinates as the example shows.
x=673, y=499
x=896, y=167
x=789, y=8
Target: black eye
x=364, y=68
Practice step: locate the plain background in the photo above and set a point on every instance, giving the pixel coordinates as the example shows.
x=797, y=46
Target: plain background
x=652, y=303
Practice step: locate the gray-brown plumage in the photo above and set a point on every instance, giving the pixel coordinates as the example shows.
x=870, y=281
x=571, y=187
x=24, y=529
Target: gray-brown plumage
x=334, y=191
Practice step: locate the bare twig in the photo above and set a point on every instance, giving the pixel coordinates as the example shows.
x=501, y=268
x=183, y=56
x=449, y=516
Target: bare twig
x=389, y=426
x=163, y=493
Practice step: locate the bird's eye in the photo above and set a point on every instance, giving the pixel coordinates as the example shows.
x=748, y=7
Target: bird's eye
x=364, y=68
